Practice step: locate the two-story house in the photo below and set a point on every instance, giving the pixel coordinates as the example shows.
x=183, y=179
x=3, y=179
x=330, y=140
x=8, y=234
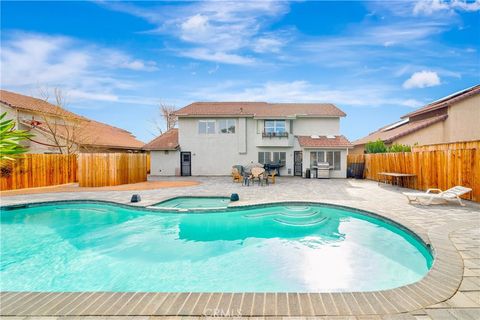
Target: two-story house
x=213, y=136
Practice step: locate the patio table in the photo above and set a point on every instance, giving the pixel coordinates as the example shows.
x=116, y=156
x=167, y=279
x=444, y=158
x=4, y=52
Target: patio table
x=398, y=179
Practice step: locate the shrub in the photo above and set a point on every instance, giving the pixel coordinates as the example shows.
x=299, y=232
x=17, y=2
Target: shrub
x=396, y=147
x=375, y=147
x=380, y=147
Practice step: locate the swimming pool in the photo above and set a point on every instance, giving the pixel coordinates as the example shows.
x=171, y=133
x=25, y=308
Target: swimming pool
x=277, y=248
x=194, y=203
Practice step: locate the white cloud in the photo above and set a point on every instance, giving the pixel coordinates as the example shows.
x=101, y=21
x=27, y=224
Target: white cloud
x=412, y=103
x=220, y=31
x=30, y=61
x=422, y=79
x=429, y=7
x=217, y=56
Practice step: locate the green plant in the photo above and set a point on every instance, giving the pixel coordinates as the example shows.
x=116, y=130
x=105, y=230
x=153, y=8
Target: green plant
x=375, y=147
x=10, y=138
x=396, y=147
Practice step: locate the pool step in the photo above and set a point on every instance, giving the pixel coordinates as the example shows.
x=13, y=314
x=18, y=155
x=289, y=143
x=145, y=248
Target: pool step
x=301, y=223
x=290, y=215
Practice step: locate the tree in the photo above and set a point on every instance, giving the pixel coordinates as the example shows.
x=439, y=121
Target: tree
x=10, y=139
x=63, y=130
x=168, y=118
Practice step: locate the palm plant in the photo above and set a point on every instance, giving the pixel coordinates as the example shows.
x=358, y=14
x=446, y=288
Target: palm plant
x=10, y=138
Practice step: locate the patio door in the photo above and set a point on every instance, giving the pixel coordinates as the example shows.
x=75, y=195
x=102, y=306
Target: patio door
x=185, y=163
x=297, y=163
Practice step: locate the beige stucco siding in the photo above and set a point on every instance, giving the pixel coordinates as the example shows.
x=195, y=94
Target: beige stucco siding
x=432, y=134
x=317, y=126
x=165, y=163
x=463, y=122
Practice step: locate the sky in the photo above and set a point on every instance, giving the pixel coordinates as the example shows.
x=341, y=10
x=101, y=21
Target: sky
x=116, y=62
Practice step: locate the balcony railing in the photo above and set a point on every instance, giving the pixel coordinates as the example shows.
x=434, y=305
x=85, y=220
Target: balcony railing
x=274, y=134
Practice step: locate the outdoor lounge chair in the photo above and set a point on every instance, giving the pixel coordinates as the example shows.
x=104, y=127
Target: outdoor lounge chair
x=236, y=176
x=447, y=195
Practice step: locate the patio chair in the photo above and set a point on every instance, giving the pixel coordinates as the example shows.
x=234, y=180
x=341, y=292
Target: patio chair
x=257, y=174
x=236, y=176
x=447, y=195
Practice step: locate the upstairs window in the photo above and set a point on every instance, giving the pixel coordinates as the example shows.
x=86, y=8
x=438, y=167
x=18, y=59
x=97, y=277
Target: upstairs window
x=275, y=126
x=206, y=126
x=226, y=126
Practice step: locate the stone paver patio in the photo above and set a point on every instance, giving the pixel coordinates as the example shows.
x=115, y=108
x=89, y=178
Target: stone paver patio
x=451, y=290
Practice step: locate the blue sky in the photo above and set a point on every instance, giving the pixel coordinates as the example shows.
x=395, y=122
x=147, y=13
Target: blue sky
x=117, y=61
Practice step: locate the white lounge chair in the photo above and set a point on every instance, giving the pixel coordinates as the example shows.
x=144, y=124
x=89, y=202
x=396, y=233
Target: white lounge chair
x=447, y=195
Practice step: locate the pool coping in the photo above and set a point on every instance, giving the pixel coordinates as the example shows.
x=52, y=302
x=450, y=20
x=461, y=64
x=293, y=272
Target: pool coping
x=438, y=285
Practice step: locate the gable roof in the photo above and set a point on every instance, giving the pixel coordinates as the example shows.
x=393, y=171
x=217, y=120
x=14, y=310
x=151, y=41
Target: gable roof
x=446, y=101
x=324, y=142
x=89, y=132
x=165, y=141
x=399, y=129
x=260, y=109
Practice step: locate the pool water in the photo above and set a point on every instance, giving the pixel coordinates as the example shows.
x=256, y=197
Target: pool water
x=283, y=248
x=195, y=203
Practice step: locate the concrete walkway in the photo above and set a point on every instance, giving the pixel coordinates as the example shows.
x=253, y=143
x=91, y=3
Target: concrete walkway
x=453, y=230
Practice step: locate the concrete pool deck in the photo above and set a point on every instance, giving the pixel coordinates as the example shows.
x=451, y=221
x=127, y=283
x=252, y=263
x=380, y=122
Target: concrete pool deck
x=451, y=290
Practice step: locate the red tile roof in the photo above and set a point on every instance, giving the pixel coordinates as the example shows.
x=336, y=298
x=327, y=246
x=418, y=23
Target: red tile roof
x=260, y=109
x=165, y=141
x=389, y=135
x=87, y=132
x=446, y=101
x=324, y=142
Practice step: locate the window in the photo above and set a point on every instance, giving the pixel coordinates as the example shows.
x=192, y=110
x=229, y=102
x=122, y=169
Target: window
x=206, y=126
x=226, y=126
x=272, y=157
x=274, y=126
x=332, y=157
x=264, y=157
x=279, y=157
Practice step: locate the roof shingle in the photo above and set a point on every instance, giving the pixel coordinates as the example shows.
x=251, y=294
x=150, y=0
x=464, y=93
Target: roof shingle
x=165, y=141
x=260, y=109
x=324, y=142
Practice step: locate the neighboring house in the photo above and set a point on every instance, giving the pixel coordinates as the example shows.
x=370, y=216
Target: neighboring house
x=43, y=119
x=450, y=119
x=213, y=136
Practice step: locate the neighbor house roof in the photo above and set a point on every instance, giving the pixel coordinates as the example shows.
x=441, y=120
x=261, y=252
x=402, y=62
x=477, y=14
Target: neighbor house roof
x=324, y=142
x=399, y=129
x=165, y=141
x=87, y=132
x=446, y=101
x=260, y=109
x=20, y=101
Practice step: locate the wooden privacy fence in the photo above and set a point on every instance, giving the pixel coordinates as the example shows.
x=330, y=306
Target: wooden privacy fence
x=38, y=170
x=444, y=168
x=111, y=169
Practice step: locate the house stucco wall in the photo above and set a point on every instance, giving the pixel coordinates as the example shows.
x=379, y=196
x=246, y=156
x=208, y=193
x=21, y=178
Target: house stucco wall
x=165, y=163
x=342, y=173
x=215, y=154
x=318, y=126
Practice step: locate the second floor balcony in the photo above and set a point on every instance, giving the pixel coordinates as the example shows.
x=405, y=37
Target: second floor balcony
x=274, y=139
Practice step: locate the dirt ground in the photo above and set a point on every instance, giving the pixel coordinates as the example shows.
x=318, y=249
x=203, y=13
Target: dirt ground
x=73, y=187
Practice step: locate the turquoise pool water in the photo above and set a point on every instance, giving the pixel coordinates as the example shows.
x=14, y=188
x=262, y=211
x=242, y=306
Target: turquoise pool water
x=195, y=203
x=100, y=247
